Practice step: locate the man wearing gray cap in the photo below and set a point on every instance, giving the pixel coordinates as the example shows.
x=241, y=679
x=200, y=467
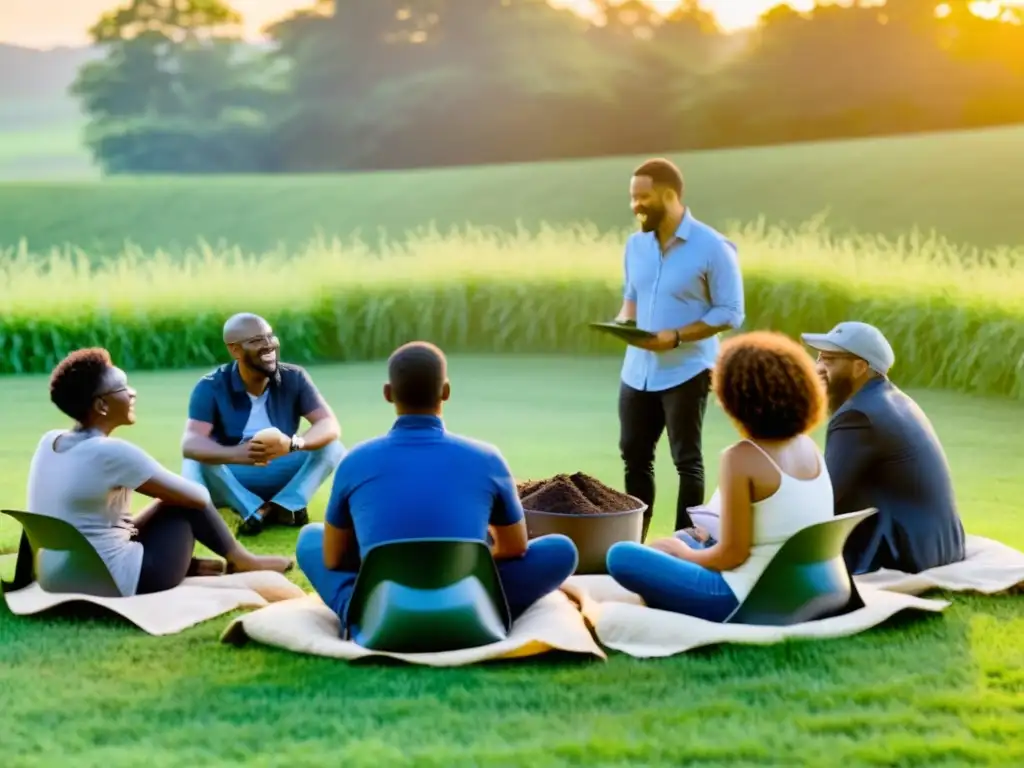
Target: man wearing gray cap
x=882, y=452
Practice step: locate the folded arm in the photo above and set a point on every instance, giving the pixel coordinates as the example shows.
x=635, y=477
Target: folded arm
x=197, y=444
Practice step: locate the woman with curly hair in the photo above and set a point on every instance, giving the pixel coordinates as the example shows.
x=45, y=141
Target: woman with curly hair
x=86, y=478
x=772, y=483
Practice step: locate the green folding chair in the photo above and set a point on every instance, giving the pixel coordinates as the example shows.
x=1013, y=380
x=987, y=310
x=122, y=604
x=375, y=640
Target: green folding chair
x=807, y=579
x=54, y=553
x=427, y=596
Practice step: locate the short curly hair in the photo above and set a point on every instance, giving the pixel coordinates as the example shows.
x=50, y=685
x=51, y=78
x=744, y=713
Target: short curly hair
x=768, y=385
x=76, y=379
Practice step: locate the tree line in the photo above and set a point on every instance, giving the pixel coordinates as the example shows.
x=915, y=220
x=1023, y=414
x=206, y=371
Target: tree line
x=385, y=84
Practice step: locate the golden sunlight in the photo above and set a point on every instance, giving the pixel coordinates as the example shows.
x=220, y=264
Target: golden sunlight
x=65, y=22
x=731, y=14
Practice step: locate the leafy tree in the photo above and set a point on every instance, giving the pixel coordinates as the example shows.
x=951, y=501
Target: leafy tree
x=175, y=91
x=361, y=84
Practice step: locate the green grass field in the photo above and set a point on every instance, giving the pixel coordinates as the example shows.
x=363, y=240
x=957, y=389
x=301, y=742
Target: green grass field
x=937, y=691
x=963, y=185
x=930, y=692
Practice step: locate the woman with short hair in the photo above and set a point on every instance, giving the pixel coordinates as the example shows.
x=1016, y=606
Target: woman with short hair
x=772, y=483
x=85, y=477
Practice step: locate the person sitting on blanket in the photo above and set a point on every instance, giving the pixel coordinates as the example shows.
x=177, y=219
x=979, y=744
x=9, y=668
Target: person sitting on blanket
x=882, y=452
x=772, y=483
x=263, y=480
x=421, y=481
x=86, y=478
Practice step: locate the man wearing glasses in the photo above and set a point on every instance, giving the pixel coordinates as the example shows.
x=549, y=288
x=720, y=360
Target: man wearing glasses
x=882, y=452
x=241, y=437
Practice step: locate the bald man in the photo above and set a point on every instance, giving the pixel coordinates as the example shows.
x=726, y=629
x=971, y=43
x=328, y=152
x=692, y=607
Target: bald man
x=264, y=481
x=421, y=481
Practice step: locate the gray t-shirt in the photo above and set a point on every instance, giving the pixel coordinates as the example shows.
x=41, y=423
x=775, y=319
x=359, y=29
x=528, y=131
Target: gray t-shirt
x=90, y=486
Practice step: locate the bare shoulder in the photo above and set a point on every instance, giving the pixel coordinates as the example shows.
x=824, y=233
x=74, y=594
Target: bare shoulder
x=742, y=457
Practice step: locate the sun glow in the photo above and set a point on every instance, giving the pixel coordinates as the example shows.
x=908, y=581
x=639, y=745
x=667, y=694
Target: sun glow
x=734, y=15
x=65, y=22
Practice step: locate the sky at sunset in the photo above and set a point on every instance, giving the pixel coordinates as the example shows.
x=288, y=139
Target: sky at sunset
x=46, y=23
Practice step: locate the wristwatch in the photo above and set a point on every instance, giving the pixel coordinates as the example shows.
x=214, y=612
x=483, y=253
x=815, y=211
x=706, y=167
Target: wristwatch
x=678, y=339
x=297, y=444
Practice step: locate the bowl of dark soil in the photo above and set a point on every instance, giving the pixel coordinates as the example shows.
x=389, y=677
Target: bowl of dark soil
x=586, y=510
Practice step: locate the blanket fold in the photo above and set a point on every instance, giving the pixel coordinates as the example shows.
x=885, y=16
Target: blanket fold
x=990, y=567
x=308, y=626
x=623, y=623
x=194, y=601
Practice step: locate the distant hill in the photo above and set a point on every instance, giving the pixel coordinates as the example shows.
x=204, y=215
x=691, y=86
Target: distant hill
x=40, y=122
x=41, y=75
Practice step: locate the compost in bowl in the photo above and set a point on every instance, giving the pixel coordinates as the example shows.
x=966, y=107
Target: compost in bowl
x=586, y=510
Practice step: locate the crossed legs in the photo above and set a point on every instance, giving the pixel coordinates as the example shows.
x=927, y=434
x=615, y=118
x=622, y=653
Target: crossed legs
x=547, y=563
x=284, y=486
x=670, y=584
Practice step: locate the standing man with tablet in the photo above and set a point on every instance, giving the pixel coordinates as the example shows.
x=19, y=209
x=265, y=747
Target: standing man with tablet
x=682, y=282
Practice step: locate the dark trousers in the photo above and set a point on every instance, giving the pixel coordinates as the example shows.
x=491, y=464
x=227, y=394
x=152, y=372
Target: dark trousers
x=643, y=417
x=168, y=540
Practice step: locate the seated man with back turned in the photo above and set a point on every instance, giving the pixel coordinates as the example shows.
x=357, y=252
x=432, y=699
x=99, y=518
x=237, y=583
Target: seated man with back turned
x=882, y=452
x=262, y=481
x=421, y=481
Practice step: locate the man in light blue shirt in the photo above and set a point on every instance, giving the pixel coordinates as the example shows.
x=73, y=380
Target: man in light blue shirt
x=682, y=282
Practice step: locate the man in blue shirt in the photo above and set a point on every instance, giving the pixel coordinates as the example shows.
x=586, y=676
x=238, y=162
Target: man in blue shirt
x=268, y=479
x=421, y=481
x=682, y=282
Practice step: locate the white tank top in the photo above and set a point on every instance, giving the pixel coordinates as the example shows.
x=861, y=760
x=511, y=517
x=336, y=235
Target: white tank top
x=795, y=505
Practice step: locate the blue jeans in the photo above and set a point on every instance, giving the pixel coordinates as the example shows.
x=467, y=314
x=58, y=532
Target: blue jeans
x=670, y=584
x=289, y=481
x=548, y=562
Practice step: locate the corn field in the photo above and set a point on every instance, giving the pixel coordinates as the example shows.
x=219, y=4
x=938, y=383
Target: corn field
x=954, y=316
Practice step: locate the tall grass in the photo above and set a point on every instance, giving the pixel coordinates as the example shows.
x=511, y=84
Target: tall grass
x=955, y=316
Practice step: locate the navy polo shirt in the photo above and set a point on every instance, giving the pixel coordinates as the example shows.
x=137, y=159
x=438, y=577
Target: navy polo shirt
x=421, y=481
x=219, y=398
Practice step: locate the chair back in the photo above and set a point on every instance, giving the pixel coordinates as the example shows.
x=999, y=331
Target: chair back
x=60, y=557
x=807, y=579
x=427, y=595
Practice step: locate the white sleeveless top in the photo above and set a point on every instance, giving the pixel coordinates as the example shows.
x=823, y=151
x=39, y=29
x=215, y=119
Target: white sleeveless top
x=794, y=506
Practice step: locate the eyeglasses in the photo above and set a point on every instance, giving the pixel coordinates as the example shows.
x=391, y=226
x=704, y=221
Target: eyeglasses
x=264, y=338
x=107, y=393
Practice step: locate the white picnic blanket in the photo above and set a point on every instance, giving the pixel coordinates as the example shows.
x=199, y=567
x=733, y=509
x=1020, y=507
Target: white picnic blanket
x=195, y=600
x=990, y=567
x=306, y=625
x=622, y=622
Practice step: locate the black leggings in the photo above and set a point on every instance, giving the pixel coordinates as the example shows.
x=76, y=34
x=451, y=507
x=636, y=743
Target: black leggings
x=169, y=539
